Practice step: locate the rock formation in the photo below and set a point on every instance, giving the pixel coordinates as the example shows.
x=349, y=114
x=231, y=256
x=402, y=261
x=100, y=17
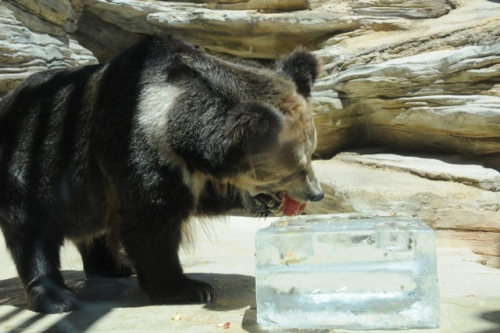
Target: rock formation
x=460, y=201
x=36, y=35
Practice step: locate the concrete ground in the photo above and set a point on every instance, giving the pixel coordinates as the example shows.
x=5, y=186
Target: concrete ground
x=224, y=256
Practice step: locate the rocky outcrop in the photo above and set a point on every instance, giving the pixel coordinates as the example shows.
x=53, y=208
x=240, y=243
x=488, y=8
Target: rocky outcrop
x=445, y=101
x=105, y=39
x=261, y=5
x=256, y=31
x=244, y=33
x=430, y=84
x=461, y=202
x=36, y=35
x=448, y=168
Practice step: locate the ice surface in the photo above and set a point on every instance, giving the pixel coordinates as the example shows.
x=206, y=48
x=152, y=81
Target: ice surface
x=347, y=271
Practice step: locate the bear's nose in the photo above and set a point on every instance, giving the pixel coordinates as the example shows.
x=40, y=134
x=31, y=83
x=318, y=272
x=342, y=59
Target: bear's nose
x=317, y=197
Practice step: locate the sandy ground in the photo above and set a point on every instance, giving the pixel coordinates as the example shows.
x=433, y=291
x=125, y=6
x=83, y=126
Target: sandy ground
x=224, y=256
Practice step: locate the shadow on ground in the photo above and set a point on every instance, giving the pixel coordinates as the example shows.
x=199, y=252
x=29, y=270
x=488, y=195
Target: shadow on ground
x=492, y=317
x=100, y=296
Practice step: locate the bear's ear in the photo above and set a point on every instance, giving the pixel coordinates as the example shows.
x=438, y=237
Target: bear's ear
x=302, y=67
x=253, y=126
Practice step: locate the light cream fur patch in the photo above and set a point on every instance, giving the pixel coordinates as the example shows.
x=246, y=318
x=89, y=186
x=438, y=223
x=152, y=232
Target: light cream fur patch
x=154, y=107
x=155, y=104
x=195, y=181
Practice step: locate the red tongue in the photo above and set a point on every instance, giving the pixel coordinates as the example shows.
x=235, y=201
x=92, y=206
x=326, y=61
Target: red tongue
x=292, y=207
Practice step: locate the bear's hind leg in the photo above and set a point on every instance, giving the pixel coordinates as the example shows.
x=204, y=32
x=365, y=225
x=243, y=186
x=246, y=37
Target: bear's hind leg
x=152, y=246
x=99, y=259
x=36, y=255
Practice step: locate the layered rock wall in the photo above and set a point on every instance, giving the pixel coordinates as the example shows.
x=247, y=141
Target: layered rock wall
x=37, y=35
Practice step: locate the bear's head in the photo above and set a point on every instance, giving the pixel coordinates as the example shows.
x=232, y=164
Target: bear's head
x=237, y=123
x=279, y=136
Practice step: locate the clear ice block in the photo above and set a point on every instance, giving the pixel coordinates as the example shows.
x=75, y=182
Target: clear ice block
x=347, y=271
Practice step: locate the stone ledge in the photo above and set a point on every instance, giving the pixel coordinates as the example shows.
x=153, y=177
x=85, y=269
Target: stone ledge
x=455, y=209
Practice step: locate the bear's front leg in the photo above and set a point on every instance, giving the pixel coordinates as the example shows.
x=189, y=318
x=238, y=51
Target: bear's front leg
x=152, y=241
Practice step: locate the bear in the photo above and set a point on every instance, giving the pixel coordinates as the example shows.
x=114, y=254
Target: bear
x=121, y=155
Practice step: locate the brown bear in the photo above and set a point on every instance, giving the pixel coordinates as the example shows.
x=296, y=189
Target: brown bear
x=122, y=154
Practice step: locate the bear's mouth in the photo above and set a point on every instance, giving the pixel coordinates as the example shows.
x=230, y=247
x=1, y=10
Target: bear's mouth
x=279, y=204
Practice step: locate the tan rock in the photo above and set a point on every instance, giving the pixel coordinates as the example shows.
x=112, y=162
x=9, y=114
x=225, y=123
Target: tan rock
x=254, y=33
x=265, y=5
x=102, y=38
x=444, y=205
x=431, y=92
x=409, y=9
x=246, y=33
x=429, y=168
x=61, y=13
x=423, y=102
x=486, y=244
x=24, y=52
x=34, y=22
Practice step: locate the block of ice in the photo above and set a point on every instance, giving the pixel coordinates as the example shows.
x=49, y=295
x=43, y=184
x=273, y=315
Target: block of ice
x=347, y=271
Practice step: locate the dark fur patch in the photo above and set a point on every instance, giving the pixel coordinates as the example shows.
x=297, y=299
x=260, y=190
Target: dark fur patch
x=303, y=68
x=253, y=126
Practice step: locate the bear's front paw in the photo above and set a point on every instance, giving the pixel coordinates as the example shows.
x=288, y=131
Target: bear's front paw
x=184, y=291
x=52, y=298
